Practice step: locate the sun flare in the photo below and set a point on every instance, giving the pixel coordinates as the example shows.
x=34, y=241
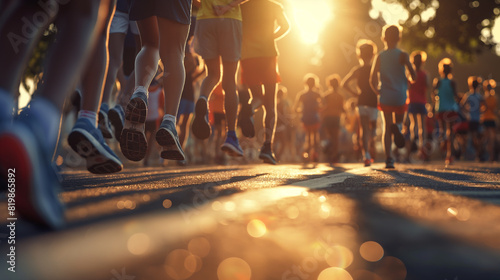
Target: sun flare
x=311, y=17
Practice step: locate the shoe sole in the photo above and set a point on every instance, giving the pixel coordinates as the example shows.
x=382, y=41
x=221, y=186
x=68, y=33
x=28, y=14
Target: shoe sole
x=231, y=150
x=267, y=159
x=35, y=183
x=201, y=128
x=99, y=161
x=399, y=139
x=105, y=129
x=133, y=142
x=171, y=148
x=117, y=122
x=246, y=123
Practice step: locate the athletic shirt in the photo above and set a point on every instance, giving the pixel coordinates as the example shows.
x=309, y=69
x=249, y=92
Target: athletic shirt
x=393, y=78
x=367, y=97
x=446, y=101
x=310, y=107
x=491, y=108
x=418, y=89
x=333, y=104
x=206, y=10
x=122, y=6
x=474, y=100
x=259, y=18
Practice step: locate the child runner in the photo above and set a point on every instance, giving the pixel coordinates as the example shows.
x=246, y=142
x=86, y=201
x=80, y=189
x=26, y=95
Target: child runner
x=218, y=38
x=445, y=95
x=389, y=67
x=367, y=98
x=472, y=102
x=489, y=116
x=308, y=102
x=259, y=66
x=418, y=98
x=333, y=108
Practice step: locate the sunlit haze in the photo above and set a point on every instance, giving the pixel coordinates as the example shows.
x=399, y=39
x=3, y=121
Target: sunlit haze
x=311, y=17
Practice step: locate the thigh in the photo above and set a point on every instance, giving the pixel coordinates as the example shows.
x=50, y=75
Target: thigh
x=149, y=32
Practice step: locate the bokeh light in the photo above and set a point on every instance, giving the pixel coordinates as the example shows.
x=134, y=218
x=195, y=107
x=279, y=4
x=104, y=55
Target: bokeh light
x=336, y=273
x=292, y=212
x=199, y=246
x=138, y=243
x=339, y=256
x=371, y=251
x=180, y=264
x=167, y=203
x=234, y=269
x=256, y=228
x=391, y=268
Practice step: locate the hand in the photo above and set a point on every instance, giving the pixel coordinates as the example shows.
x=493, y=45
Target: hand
x=220, y=10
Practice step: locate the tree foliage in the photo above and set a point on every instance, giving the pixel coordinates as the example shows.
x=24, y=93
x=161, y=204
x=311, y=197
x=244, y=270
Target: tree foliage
x=461, y=27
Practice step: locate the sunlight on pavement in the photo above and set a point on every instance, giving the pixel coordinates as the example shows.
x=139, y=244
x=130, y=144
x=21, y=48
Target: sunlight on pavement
x=256, y=228
x=457, y=215
x=138, y=244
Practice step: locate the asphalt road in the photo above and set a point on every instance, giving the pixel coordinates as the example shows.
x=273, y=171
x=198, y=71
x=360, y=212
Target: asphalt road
x=269, y=222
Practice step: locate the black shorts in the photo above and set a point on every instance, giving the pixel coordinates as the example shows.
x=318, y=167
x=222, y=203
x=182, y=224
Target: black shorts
x=175, y=10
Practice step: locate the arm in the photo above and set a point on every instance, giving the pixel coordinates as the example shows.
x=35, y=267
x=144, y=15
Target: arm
x=409, y=66
x=222, y=9
x=374, y=75
x=283, y=25
x=346, y=82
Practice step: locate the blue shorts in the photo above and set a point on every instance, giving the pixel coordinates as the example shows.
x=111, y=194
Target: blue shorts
x=186, y=107
x=417, y=108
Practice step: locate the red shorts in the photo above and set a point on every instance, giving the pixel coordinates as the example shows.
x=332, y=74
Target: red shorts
x=259, y=71
x=447, y=116
x=393, y=109
x=311, y=127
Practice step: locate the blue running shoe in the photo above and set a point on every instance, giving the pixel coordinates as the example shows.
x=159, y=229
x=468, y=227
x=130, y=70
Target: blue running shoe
x=88, y=142
x=103, y=122
x=116, y=117
x=133, y=141
x=168, y=139
x=26, y=162
x=201, y=127
x=232, y=147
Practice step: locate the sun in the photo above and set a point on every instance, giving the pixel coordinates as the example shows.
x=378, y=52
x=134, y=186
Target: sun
x=311, y=17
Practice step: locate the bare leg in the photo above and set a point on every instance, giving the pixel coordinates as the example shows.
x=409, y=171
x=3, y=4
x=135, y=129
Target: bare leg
x=212, y=78
x=146, y=62
x=231, y=97
x=173, y=36
x=115, y=46
x=387, y=135
x=270, y=119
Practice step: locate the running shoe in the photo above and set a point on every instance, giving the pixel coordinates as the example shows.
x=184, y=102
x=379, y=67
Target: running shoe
x=389, y=163
x=103, y=122
x=232, y=147
x=88, y=142
x=28, y=161
x=267, y=155
x=399, y=139
x=116, y=117
x=368, y=162
x=245, y=120
x=133, y=141
x=167, y=137
x=201, y=127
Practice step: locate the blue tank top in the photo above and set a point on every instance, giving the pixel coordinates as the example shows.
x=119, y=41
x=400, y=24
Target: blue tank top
x=392, y=78
x=446, y=101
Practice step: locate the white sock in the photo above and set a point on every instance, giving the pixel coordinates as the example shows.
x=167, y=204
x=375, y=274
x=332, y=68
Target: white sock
x=170, y=118
x=141, y=89
x=7, y=105
x=49, y=118
x=89, y=115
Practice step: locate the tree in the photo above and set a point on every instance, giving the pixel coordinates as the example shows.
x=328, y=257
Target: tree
x=460, y=27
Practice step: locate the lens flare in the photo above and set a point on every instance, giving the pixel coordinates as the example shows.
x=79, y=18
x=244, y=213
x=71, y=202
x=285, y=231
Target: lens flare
x=311, y=17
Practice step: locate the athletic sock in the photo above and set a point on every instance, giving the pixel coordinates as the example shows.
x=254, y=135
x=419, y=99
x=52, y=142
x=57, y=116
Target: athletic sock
x=141, y=89
x=171, y=118
x=89, y=115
